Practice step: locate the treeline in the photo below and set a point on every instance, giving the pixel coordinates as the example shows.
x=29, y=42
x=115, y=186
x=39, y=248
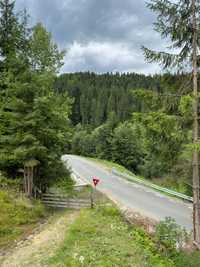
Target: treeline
x=142, y=122
x=34, y=120
x=96, y=96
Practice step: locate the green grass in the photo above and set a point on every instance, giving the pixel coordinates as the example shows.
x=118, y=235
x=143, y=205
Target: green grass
x=109, y=165
x=101, y=238
x=17, y=216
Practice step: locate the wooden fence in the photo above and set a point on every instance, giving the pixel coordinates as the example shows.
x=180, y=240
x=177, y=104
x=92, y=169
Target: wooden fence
x=58, y=201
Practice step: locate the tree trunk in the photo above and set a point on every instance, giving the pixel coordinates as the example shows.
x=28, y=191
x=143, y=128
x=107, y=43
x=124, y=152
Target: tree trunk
x=195, y=159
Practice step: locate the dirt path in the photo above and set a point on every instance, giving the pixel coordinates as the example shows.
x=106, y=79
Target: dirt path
x=42, y=245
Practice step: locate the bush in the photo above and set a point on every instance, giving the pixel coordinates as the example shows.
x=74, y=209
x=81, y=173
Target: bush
x=10, y=184
x=127, y=147
x=170, y=237
x=187, y=260
x=109, y=210
x=162, y=138
x=83, y=144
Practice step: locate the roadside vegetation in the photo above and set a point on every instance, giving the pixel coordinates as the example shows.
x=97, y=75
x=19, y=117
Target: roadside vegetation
x=101, y=237
x=131, y=120
x=168, y=182
x=18, y=215
x=153, y=138
x=91, y=237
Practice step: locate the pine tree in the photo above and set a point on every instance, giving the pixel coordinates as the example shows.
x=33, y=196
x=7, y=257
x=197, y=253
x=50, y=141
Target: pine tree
x=180, y=22
x=9, y=30
x=34, y=121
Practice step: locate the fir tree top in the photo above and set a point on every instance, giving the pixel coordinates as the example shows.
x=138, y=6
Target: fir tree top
x=174, y=22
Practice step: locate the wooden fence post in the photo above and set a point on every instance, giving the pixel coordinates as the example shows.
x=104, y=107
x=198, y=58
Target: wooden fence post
x=92, y=197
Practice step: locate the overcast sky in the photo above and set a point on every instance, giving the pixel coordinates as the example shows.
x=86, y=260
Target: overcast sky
x=99, y=35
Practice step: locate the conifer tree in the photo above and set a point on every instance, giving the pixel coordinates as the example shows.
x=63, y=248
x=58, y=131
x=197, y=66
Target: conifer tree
x=33, y=119
x=179, y=21
x=9, y=31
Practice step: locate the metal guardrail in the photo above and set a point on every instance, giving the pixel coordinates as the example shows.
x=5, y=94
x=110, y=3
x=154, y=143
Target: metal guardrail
x=150, y=185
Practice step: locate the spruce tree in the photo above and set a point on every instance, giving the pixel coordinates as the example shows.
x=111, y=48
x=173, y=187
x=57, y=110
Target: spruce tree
x=9, y=30
x=179, y=21
x=34, y=121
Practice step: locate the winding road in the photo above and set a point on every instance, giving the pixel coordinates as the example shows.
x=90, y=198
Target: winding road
x=146, y=201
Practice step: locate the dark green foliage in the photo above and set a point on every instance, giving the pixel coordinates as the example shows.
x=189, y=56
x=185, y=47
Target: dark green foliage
x=9, y=30
x=102, y=139
x=96, y=96
x=162, y=138
x=171, y=240
x=187, y=259
x=127, y=148
x=83, y=143
x=151, y=144
x=174, y=21
x=158, y=101
x=33, y=118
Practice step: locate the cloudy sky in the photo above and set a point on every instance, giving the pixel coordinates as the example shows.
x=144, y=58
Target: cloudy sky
x=99, y=35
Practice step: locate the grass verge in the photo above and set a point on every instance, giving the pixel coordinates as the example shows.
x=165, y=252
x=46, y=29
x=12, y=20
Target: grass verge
x=101, y=238
x=18, y=215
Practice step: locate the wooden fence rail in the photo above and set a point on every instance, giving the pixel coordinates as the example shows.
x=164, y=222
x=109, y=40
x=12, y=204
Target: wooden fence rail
x=59, y=201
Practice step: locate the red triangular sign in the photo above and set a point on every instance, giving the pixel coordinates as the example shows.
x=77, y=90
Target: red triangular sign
x=95, y=181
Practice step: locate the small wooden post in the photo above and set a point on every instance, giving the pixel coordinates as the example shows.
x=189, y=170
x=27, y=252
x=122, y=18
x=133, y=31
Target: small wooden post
x=92, y=197
x=29, y=167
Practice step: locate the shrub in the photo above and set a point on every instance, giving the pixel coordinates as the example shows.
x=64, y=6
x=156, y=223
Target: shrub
x=189, y=260
x=11, y=184
x=170, y=237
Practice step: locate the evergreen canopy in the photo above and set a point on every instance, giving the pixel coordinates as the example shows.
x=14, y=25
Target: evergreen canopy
x=34, y=120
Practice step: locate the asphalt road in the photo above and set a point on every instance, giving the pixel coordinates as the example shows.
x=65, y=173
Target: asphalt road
x=137, y=197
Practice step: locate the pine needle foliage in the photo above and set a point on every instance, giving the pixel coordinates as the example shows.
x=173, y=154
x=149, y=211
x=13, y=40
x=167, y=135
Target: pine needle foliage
x=34, y=120
x=174, y=23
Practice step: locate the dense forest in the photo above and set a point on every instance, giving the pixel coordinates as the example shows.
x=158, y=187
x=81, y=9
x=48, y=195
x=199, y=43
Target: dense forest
x=142, y=122
x=96, y=96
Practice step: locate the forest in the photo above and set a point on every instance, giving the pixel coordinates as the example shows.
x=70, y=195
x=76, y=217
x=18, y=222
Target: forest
x=141, y=122
x=147, y=124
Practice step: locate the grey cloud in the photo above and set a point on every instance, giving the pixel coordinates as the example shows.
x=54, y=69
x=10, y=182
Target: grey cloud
x=101, y=23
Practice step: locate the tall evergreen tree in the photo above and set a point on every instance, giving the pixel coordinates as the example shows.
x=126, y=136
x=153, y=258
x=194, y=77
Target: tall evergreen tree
x=9, y=32
x=179, y=21
x=8, y=27
x=34, y=121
